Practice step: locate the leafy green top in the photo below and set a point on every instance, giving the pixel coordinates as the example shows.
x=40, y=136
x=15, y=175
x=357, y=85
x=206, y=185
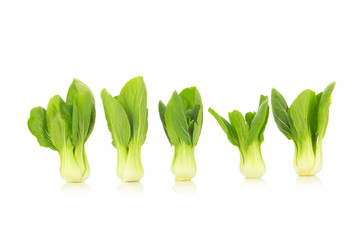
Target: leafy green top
x=307, y=116
x=182, y=118
x=64, y=123
x=127, y=113
x=242, y=132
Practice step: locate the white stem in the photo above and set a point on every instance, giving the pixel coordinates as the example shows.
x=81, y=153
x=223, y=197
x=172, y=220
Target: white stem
x=184, y=165
x=129, y=167
x=69, y=167
x=252, y=164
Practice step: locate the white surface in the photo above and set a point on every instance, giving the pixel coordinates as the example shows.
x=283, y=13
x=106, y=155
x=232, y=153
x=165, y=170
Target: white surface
x=233, y=51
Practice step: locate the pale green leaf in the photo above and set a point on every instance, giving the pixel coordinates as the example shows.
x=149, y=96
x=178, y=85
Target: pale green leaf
x=117, y=120
x=299, y=113
x=58, y=126
x=133, y=98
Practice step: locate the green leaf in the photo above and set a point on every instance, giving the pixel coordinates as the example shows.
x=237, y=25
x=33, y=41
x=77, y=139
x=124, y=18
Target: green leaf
x=261, y=134
x=263, y=99
x=92, y=122
x=318, y=97
x=249, y=117
x=162, y=110
x=323, y=112
x=226, y=127
x=259, y=122
x=191, y=99
x=81, y=117
x=146, y=126
x=280, y=111
x=133, y=98
x=238, y=122
x=176, y=123
x=191, y=127
x=193, y=113
x=58, y=125
x=38, y=128
x=78, y=87
x=117, y=120
x=66, y=115
x=299, y=113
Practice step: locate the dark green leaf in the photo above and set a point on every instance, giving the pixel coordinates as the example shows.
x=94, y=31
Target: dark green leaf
x=313, y=115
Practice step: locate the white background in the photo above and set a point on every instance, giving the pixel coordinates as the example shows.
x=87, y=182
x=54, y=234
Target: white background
x=233, y=51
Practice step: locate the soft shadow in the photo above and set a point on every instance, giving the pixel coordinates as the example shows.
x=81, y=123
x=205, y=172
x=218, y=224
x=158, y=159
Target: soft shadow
x=130, y=188
x=75, y=189
x=184, y=187
x=308, y=182
x=253, y=183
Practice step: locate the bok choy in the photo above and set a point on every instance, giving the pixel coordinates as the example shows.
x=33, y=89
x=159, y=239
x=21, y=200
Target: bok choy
x=247, y=134
x=182, y=119
x=65, y=127
x=127, y=120
x=305, y=123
